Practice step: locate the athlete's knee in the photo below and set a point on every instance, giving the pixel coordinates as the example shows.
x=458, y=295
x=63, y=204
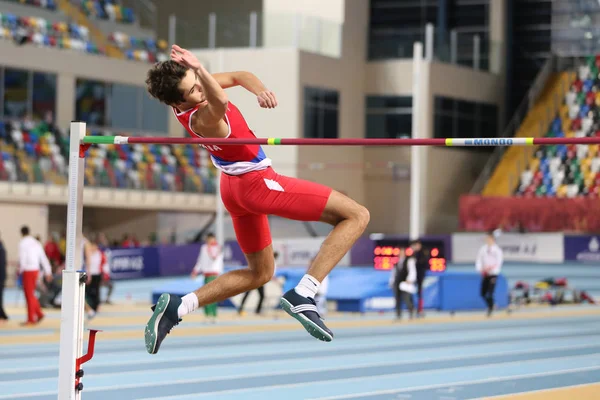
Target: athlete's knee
x=260, y=277
x=261, y=274
x=362, y=217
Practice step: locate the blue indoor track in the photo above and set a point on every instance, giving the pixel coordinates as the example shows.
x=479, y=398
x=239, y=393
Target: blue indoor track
x=467, y=356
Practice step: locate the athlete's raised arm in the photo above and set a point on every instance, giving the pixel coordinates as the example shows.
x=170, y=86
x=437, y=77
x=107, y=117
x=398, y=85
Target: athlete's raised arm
x=250, y=82
x=216, y=97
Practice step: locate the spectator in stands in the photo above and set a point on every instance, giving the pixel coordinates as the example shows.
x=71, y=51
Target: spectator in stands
x=62, y=244
x=107, y=281
x=53, y=252
x=526, y=178
x=3, y=316
x=489, y=264
x=94, y=261
x=209, y=264
x=404, y=281
x=31, y=256
x=130, y=241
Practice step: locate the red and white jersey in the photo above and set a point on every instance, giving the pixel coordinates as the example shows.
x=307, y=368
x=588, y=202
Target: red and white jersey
x=231, y=159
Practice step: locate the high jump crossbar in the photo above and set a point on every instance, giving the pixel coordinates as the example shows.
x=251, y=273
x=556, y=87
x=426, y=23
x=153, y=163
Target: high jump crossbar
x=457, y=142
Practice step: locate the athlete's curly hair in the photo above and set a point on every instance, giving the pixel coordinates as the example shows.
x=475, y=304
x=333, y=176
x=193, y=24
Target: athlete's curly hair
x=163, y=80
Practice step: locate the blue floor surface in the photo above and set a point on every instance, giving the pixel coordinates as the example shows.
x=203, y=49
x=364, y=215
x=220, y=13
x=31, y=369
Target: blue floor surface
x=420, y=361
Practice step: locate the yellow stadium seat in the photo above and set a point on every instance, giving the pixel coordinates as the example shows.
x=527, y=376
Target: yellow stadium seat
x=561, y=191
x=585, y=163
x=593, y=150
x=534, y=164
x=150, y=158
x=568, y=132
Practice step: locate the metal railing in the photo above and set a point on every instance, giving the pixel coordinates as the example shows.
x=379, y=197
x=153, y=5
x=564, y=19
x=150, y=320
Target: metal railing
x=258, y=29
x=515, y=122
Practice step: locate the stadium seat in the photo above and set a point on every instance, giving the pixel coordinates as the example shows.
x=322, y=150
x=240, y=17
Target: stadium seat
x=42, y=33
x=574, y=170
x=26, y=155
x=148, y=50
x=151, y=167
x=107, y=9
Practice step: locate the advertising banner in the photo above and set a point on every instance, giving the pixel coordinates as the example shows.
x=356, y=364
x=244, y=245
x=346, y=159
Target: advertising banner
x=133, y=263
x=584, y=248
x=523, y=247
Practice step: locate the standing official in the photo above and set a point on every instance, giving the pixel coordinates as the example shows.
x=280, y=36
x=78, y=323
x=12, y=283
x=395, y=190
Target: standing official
x=3, y=267
x=488, y=264
x=422, y=265
x=31, y=256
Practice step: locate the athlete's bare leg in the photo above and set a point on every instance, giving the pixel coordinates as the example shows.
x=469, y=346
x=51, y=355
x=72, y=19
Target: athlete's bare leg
x=350, y=220
x=169, y=309
x=260, y=270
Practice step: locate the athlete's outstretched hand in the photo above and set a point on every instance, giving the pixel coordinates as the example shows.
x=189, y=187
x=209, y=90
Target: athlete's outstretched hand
x=184, y=57
x=266, y=99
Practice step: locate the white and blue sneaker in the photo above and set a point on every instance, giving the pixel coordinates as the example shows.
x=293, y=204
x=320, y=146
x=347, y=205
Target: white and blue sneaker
x=304, y=309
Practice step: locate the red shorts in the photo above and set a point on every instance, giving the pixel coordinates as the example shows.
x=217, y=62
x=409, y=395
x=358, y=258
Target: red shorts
x=250, y=197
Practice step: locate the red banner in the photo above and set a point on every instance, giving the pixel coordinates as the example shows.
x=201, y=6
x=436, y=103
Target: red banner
x=478, y=213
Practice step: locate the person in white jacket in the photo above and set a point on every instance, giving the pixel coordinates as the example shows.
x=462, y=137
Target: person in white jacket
x=31, y=257
x=489, y=264
x=209, y=264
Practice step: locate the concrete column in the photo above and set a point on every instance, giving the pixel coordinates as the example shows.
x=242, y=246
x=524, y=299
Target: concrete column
x=497, y=18
x=65, y=101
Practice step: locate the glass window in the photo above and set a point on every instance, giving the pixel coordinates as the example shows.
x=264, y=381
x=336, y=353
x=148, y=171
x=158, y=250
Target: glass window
x=331, y=98
x=389, y=101
x=44, y=95
x=466, y=108
x=16, y=93
x=489, y=128
x=444, y=126
x=389, y=126
x=90, y=102
x=155, y=117
x=444, y=105
x=330, y=124
x=462, y=118
x=388, y=117
x=466, y=127
x=311, y=122
x=321, y=113
x=124, y=106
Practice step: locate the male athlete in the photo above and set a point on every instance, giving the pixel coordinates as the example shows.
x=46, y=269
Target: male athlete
x=250, y=190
